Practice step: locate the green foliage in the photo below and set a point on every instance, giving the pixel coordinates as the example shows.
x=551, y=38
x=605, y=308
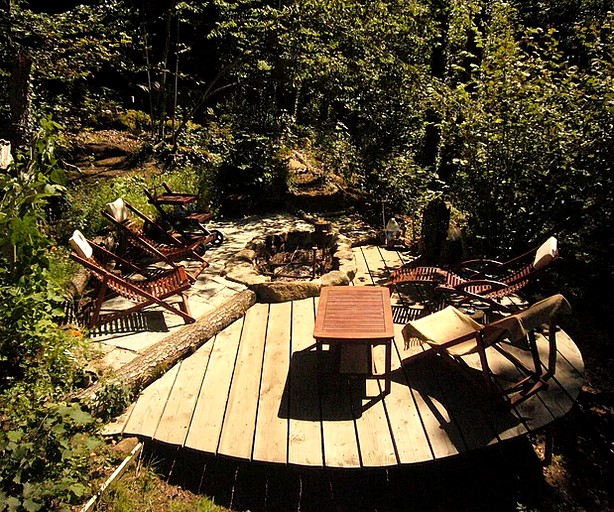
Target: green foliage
x=69, y=50
x=400, y=185
x=111, y=400
x=45, y=445
x=534, y=143
x=86, y=206
x=46, y=452
x=34, y=178
x=249, y=169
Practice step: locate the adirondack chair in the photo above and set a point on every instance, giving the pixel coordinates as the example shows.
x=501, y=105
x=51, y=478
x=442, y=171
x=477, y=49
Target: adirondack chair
x=165, y=246
x=450, y=332
x=486, y=281
x=182, y=218
x=151, y=291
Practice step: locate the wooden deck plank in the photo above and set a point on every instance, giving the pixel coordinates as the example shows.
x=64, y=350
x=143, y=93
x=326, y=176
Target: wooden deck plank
x=506, y=421
x=206, y=426
x=564, y=392
x=374, y=436
x=340, y=403
x=569, y=353
x=117, y=425
x=175, y=421
x=409, y=437
x=339, y=399
x=544, y=407
x=362, y=277
x=536, y=411
x=464, y=394
x=270, y=439
x=237, y=436
x=262, y=396
x=376, y=265
x=150, y=405
x=443, y=436
x=305, y=435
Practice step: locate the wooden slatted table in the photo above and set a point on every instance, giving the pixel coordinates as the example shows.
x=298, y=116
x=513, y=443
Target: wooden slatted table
x=351, y=315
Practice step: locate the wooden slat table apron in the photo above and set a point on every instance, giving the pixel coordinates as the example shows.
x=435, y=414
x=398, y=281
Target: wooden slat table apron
x=350, y=315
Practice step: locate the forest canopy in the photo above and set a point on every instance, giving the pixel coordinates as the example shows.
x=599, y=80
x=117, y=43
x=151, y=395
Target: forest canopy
x=502, y=109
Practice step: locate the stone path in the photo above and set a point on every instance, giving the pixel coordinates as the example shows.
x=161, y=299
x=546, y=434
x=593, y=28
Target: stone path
x=119, y=345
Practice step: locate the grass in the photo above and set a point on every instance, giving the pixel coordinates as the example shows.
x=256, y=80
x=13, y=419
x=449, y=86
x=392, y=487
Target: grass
x=143, y=490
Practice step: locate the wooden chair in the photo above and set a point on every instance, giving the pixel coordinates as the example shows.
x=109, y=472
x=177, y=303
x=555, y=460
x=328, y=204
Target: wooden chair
x=486, y=281
x=452, y=333
x=165, y=247
x=151, y=291
x=183, y=219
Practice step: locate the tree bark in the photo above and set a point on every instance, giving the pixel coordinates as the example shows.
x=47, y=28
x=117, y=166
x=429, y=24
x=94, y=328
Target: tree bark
x=19, y=100
x=147, y=367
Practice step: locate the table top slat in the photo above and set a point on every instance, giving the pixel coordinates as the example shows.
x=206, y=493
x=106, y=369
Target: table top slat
x=354, y=313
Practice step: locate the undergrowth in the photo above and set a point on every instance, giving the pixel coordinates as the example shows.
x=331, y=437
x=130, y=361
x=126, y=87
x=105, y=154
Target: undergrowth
x=143, y=490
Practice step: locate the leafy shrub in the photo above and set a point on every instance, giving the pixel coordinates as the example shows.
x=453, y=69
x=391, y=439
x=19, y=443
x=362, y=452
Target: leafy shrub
x=45, y=445
x=46, y=452
x=88, y=200
x=249, y=172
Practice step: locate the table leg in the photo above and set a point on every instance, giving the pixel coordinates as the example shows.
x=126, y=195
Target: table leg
x=388, y=367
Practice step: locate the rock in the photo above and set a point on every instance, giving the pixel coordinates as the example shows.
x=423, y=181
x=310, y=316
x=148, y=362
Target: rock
x=247, y=255
x=335, y=278
x=285, y=291
x=349, y=268
x=244, y=273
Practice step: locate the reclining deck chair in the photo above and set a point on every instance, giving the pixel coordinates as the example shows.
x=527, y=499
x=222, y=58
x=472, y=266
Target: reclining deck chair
x=187, y=222
x=151, y=291
x=450, y=332
x=487, y=281
x=169, y=248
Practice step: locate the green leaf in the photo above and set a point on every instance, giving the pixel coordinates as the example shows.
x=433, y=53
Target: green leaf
x=32, y=506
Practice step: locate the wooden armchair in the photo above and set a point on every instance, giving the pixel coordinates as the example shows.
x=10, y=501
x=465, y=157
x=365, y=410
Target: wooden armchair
x=451, y=333
x=151, y=291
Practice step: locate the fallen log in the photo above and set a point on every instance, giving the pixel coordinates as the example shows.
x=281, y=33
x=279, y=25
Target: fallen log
x=156, y=359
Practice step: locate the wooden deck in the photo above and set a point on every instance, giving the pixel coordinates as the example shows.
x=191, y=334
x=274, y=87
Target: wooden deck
x=253, y=393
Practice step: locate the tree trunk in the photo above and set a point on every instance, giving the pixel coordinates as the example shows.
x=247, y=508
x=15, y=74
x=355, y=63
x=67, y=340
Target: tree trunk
x=19, y=100
x=147, y=367
x=163, y=94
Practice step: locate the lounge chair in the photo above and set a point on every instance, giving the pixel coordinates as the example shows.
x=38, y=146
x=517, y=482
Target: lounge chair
x=151, y=291
x=182, y=218
x=487, y=281
x=452, y=333
x=165, y=247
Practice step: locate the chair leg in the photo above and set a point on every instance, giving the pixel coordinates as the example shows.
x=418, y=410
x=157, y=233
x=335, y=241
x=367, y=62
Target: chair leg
x=93, y=321
x=551, y=348
x=484, y=363
x=537, y=365
x=184, y=305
